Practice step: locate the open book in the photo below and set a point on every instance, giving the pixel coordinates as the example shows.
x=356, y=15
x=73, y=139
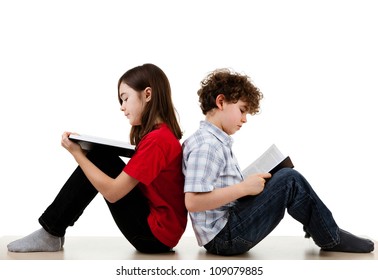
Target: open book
x=88, y=143
x=270, y=161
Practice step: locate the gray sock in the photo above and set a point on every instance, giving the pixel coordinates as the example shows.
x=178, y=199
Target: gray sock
x=38, y=241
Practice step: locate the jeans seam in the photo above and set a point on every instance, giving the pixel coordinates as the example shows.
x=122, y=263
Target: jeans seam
x=323, y=224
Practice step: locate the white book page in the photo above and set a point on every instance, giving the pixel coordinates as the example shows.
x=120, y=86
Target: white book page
x=87, y=141
x=266, y=162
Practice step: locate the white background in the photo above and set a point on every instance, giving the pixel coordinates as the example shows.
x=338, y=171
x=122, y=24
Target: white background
x=315, y=62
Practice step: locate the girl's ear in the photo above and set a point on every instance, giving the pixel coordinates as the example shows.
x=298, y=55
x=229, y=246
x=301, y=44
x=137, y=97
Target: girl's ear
x=148, y=93
x=219, y=101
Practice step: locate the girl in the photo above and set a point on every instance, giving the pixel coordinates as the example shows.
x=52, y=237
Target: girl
x=145, y=197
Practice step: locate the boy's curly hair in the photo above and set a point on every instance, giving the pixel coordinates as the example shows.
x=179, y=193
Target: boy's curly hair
x=234, y=86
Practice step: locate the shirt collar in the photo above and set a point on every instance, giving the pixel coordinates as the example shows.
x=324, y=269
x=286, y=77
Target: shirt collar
x=217, y=132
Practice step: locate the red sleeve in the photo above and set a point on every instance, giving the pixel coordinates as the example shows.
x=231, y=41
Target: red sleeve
x=147, y=162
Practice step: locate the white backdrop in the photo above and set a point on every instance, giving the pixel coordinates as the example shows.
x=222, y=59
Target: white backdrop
x=315, y=61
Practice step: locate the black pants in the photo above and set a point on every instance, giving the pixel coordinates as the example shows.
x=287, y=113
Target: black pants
x=130, y=213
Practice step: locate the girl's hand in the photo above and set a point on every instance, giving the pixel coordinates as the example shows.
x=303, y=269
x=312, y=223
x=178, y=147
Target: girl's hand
x=254, y=184
x=71, y=146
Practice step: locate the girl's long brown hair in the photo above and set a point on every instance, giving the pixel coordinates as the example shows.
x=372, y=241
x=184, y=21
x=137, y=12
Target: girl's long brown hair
x=160, y=105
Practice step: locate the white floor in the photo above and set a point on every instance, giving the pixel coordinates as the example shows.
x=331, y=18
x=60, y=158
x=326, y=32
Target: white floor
x=117, y=248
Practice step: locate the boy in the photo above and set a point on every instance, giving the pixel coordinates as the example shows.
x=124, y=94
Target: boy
x=225, y=224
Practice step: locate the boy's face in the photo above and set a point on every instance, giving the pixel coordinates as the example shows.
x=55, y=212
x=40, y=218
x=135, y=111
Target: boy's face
x=233, y=116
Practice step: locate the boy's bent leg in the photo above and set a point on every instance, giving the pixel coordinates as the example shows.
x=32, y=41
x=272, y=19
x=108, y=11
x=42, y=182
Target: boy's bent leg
x=250, y=220
x=305, y=206
x=254, y=217
x=289, y=189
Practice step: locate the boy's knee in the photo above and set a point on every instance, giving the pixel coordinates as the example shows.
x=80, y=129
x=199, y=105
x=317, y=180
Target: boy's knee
x=284, y=172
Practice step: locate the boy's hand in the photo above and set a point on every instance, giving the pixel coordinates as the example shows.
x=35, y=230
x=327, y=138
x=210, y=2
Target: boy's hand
x=254, y=184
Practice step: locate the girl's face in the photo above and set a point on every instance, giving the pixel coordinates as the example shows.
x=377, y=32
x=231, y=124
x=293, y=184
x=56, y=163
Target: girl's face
x=132, y=103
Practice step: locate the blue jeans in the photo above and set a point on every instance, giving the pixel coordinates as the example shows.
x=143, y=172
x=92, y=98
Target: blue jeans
x=254, y=217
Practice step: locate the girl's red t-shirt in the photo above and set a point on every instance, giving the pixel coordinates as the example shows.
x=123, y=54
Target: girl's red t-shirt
x=156, y=164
